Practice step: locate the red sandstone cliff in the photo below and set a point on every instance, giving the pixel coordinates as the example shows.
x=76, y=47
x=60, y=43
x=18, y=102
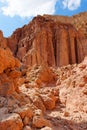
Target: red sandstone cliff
x=53, y=40
x=43, y=97
x=79, y=21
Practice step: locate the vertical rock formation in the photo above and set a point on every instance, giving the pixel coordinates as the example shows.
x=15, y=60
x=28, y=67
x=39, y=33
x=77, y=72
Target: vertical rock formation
x=48, y=40
x=79, y=21
x=43, y=97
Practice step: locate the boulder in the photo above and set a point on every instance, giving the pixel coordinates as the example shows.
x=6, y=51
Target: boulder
x=11, y=122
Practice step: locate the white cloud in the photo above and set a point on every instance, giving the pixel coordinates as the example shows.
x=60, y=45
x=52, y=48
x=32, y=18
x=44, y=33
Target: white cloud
x=28, y=8
x=71, y=4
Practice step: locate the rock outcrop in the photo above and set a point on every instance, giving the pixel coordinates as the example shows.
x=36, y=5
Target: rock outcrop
x=50, y=40
x=8, y=69
x=79, y=21
x=36, y=93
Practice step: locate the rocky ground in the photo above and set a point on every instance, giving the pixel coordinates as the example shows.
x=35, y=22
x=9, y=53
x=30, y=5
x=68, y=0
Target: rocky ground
x=46, y=99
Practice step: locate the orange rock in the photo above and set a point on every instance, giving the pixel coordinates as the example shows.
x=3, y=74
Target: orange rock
x=48, y=102
x=14, y=74
x=25, y=112
x=6, y=58
x=50, y=40
x=39, y=121
x=7, y=88
x=8, y=66
x=38, y=102
x=11, y=122
x=27, y=128
x=26, y=120
x=40, y=75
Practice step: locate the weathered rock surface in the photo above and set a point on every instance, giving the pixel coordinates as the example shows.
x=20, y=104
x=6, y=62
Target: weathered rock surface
x=27, y=128
x=8, y=69
x=35, y=95
x=50, y=40
x=39, y=121
x=79, y=21
x=11, y=122
x=6, y=58
x=56, y=105
x=40, y=75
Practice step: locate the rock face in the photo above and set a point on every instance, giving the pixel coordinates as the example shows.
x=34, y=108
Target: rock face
x=41, y=97
x=8, y=65
x=79, y=21
x=36, y=94
x=50, y=40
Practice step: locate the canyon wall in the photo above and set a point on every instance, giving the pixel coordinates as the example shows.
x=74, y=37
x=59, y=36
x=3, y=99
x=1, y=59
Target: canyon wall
x=39, y=97
x=50, y=40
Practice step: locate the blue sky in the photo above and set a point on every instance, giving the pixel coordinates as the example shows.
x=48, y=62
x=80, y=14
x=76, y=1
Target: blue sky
x=16, y=13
